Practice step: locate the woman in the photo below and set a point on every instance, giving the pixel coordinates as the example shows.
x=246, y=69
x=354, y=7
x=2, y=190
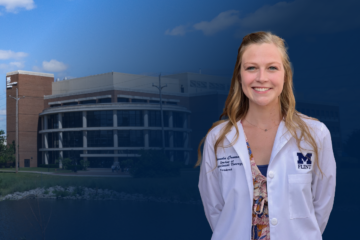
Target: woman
x=267, y=171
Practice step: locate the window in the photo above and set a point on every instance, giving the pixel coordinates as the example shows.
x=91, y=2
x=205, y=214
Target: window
x=70, y=103
x=100, y=118
x=155, y=118
x=178, y=119
x=72, y=139
x=53, y=140
x=130, y=118
x=139, y=100
x=88, y=102
x=155, y=138
x=171, y=103
x=72, y=120
x=104, y=100
x=131, y=138
x=178, y=139
x=55, y=105
x=119, y=99
x=101, y=138
x=53, y=121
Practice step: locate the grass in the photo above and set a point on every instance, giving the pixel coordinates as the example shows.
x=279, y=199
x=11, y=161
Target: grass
x=36, y=169
x=184, y=187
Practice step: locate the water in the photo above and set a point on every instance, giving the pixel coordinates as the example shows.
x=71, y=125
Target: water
x=81, y=219
x=71, y=219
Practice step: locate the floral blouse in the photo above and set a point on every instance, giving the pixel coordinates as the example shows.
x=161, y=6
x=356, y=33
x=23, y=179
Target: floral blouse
x=260, y=212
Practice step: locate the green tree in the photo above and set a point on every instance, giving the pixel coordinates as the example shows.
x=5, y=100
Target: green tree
x=7, y=151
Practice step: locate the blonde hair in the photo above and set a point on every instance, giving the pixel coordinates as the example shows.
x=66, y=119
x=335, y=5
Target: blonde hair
x=237, y=103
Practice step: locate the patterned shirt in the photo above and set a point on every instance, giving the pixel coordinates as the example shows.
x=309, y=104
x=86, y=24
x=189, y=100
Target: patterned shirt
x=260, y=212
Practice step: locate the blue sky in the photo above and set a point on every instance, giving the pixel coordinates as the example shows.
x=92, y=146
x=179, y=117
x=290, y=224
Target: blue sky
x=74, y=38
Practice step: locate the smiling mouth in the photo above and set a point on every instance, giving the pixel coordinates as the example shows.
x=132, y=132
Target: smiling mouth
x=261, y=89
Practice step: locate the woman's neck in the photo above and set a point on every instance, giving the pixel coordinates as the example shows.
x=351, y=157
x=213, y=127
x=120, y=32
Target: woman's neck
x=264, y=116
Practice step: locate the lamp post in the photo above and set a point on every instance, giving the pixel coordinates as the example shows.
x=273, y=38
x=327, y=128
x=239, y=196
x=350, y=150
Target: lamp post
x=17, y=129
x=161, y=112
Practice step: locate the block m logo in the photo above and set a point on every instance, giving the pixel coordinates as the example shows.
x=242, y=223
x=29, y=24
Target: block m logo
x=304, y=160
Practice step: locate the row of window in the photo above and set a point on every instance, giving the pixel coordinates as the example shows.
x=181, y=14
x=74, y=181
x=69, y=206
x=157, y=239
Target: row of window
x=108, y=100
x=124, y=118
x=126, y=138
x=102, y=162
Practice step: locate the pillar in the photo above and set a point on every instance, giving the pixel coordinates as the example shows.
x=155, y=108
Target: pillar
x=60, y=140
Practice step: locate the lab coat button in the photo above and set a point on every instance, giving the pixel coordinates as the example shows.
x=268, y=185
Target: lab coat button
x=274, y=221
x=271, y=174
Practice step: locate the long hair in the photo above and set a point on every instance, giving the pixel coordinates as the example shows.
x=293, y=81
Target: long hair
x=237, y=103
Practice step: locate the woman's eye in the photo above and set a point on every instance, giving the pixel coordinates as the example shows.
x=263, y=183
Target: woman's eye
x=249, y=68
x=274, y=68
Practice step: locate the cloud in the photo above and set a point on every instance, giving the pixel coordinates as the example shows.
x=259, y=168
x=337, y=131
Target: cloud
x=8, y=54
x=54, y=66
x=303, y=17
x=3, y=112
x=221, y=22
x=14, y=5
x=12, y=66
x=177, y=31
x=286, y=19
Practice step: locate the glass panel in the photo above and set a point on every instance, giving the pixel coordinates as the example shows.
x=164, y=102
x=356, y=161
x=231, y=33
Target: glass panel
x=139, y=100
x=70, y=103
x=52, y=121
x=73, y=139
x=101, y=138
x=88, y=102
x=130, y=118
x=53, y=140
x=72, y=120
x=178, y=119
x=122, y=99
x=155, y=118
x=131, y=138
x=155, y=138
x=99, y=118
x=178, y=139
x=104, y=100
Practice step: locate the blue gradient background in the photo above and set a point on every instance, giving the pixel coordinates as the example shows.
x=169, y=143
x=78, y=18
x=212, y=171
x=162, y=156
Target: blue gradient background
x=149, y=37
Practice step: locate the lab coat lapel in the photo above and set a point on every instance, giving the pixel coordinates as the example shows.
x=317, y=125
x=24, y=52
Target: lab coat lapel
x=281, y=138
x=241, y=149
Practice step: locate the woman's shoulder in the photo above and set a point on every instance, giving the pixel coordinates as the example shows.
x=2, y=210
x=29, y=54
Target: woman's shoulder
x=215, y=132
x=315, y=126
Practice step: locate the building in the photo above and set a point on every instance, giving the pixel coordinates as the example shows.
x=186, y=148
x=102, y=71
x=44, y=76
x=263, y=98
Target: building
x=109, y=117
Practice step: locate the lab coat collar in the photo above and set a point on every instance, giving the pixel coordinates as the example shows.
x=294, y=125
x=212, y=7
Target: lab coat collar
x=281, y=138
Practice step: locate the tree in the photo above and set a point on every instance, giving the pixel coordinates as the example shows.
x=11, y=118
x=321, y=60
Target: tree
x=7, y=152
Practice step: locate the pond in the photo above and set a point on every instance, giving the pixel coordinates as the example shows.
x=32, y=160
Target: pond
x=81, y=219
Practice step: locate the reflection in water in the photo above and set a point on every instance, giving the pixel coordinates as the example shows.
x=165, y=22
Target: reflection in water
x=71, y=219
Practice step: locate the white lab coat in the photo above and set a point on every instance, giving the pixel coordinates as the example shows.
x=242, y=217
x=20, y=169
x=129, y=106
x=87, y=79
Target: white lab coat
x=299, y=199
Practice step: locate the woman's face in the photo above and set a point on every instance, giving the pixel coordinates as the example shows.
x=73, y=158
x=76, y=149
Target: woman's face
x=262, y=74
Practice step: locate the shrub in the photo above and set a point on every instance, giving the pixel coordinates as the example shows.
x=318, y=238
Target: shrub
x=152, y=164
x=49, y=166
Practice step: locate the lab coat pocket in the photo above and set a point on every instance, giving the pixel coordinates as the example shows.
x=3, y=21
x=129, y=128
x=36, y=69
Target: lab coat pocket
x=300, y=196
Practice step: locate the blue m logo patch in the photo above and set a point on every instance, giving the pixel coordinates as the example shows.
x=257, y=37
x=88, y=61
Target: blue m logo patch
x=304, y=162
